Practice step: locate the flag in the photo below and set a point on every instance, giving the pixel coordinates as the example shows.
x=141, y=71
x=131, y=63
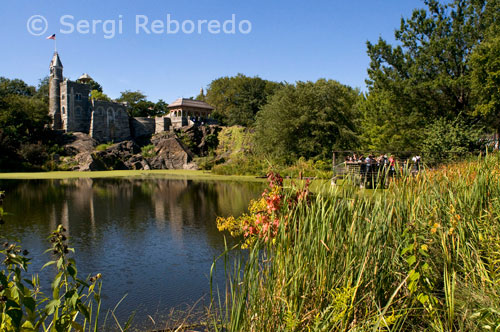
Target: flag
x=52, y=37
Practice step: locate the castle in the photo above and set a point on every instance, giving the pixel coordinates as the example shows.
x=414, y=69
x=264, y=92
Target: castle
x=73, y=110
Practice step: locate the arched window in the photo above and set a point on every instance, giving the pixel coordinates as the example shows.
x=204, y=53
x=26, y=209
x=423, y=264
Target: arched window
x=64, y=110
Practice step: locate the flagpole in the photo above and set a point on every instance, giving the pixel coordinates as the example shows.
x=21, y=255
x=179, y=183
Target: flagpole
x=55, y=45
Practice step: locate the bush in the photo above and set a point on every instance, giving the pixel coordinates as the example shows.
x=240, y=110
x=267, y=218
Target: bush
x=103, y=147
x=34, y=154
x=450, y=140
x=148, y=151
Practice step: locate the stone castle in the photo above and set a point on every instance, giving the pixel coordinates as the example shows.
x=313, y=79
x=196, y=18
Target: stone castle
x=73, y=110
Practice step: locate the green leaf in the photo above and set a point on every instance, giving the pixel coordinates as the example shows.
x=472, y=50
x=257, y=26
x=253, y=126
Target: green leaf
x=16, y=315
x=422, y=298
x=57, y=280
x=409, y=248
x=29, y=303
x=411, y=260
x=52, y=306
x=27, y=327
x=71, y=269
x=414, y=276
x=77, y=326
x=60, y=262
x=48, y=264
x=84, y=310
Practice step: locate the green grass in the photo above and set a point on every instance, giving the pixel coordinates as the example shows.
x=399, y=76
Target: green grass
x=423, y=255
x=170, y=174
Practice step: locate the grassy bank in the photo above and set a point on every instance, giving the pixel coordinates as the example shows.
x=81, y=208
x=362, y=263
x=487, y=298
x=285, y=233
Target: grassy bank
x=423, y=255
x=170, y=174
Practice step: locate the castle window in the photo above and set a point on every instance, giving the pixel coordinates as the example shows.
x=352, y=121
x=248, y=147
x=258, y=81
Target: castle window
x=78, y=96
x=64, y=110
x=63, y=96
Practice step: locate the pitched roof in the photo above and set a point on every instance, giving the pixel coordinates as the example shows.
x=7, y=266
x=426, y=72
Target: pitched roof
x=190, y=103
x=56, y=62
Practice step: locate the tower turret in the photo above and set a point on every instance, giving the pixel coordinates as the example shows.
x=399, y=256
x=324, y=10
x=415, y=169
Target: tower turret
x=56, y=77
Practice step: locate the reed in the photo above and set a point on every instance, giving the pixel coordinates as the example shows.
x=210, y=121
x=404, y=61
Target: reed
x=423, y=254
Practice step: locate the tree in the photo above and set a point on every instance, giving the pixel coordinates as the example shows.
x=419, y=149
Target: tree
x=485, y=81
x=99, y=95
x=137, y=103
x=15, y=87
x=42, y=91
x=448, y=140
x=23, y=121
x=237, y=99
x=161, y=108
x=426, y=77
x=93, y=85
x=308, y=119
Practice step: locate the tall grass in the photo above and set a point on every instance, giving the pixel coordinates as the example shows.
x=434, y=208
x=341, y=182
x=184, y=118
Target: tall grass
x=422, y=255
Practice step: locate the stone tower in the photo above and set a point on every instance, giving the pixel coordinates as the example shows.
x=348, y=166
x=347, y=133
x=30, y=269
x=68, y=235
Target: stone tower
x=56, y=77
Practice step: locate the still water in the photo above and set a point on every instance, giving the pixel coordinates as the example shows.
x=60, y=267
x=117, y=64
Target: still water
x=152, y=239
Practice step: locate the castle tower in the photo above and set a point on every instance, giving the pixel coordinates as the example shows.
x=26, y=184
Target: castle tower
x=56, y=77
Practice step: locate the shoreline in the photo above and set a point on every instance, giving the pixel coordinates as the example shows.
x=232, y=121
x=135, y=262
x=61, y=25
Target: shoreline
x=166, y=174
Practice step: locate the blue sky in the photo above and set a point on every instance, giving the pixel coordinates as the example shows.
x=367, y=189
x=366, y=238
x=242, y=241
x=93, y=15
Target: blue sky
x=289, y=41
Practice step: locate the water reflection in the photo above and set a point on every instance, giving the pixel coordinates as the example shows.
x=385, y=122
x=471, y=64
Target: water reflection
x=153, y=239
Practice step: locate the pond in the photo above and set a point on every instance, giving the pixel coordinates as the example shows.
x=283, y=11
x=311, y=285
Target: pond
x=152, y=239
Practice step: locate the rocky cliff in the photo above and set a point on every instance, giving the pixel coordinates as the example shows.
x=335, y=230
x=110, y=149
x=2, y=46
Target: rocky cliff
x=164, y=151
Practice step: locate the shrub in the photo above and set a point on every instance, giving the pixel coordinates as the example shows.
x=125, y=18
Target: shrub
x=148, y=151
x=103, y=147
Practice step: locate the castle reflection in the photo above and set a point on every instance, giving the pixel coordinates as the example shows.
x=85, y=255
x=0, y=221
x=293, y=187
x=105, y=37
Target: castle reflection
x=152, y=238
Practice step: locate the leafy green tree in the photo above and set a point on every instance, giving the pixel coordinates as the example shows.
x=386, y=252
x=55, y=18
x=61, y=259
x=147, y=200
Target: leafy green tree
x=42, y=91
x=23, y=121
x=308, y=119
x=93, y=85
x=237, y=99
x=15, y=87
x=137, y=103
x=426, y=76
x=448, y=140
x=98, y=95
x=485, y=81
x=161, y=108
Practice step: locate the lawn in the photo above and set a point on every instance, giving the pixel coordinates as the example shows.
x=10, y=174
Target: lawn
x=169, y=174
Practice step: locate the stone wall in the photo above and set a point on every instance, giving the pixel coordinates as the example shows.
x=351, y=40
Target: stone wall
x=75, y=107
x=162, y=123
x=54, y=100
x=142, y=126
x=179, y=122
x=109, y=122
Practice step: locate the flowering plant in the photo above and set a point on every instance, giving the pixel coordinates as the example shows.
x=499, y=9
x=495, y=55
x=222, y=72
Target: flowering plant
x=265, y=214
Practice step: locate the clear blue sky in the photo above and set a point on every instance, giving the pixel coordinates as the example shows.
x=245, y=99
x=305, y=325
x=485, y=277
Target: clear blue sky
x=290, y=40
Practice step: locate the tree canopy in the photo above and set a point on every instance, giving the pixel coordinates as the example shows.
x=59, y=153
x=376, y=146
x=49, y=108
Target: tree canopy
x=93, y=85
x=23, y=122
x=237, y=99
x=426, y=76
x=308, y=119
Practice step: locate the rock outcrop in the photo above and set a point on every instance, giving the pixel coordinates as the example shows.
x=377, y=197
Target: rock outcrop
x=169, y=153
x=76, y=143
x=202, y=139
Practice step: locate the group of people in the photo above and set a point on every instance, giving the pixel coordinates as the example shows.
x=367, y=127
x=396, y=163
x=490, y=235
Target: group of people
x=382, y=160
